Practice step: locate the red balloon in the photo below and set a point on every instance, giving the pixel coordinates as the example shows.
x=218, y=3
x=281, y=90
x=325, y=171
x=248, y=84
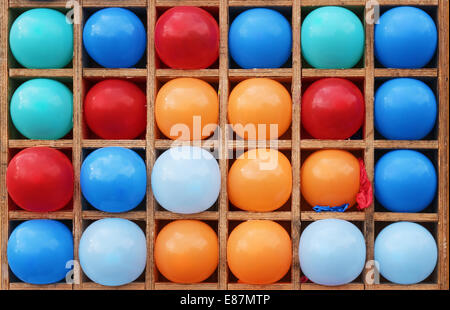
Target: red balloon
x=40, y=179
x=116, y=109
x=187, y=37
x=332, y=108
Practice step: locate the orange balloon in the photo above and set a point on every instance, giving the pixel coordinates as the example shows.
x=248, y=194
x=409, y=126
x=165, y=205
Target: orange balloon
x=259, y=252
x=187, y=109
x=255, y=104
x=260, y=180
x=330, y=178
x=186, y=251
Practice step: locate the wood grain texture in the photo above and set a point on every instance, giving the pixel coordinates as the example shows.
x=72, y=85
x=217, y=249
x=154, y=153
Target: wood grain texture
x=153, y=143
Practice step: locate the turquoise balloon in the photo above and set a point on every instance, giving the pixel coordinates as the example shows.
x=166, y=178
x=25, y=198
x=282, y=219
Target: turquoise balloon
x=42, y=39
x=42, y=109
x=332, y=38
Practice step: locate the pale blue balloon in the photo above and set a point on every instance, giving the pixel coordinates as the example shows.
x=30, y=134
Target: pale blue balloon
x=186, y=179
x=332, y=252
x=406, y=253
x=113, y=251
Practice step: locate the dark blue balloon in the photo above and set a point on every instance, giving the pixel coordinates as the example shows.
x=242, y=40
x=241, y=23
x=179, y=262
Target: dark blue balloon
x=405, y=181
x=113, y=179
x=40, y=251
x=405, y=109
x=405, y=37
x=260, y=38
x=115, y=38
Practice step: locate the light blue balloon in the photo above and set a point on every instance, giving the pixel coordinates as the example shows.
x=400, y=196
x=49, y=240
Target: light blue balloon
x=114, y=179
x=113, y=251
x=42, y=109
x=42, y=39
x=332, y=252
x=406, y=253
x=186, y=180
x=332, y=38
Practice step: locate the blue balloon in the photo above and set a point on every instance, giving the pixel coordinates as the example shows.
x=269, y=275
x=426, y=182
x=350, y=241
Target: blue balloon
x=332, y=252
x=42, y=109
x=405, y=37
x=405, y=181
x=115, y=38
x=186, y=179
x=113, y=251
x=260, y=38
x=113, y=179
x=405, y=109
x=40, y=251
x=406, y=253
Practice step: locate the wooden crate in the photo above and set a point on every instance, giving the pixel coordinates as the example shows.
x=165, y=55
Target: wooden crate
x=223, y=218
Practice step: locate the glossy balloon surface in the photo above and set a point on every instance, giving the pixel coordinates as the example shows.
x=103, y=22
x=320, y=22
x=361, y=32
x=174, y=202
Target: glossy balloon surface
x=260, y=109
x=187, y=37
x=260, y=38
x=332, y=38
x=40, y=179
x=42, y=39
x=259, y=252
x=113, y=251
x=40, y=251
x=332, y=252
x=116, y=109
x=405, y=109
x=187, y=251
x=113, y=179
x=187, y=109
x=405, y=181
x=260, y=180
x=406, y=253
x=186, y=179
x=405, y=37
x=42, y=109
x=332, y=108
x=115, y=38
x=330, y=178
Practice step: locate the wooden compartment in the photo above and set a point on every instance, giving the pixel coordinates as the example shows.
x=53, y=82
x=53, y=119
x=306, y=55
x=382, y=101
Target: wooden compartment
x=150, y=74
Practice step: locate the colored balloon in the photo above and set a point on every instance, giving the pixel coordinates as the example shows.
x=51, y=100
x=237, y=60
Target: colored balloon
x=40, y=251
x=187, y=251
x=42, y=109
x=260, y=109
x=260, y=180
x=186, y=179
x=40, y=179
x=405, y=109
x=259, y=252
x=332, y=38
x=405, y=37
x=260, y=38
x=406, y=253
x=332, y=252
x=42, y=39
x=332, y=108
x=113, y=251
x=116, y=109
x=330, y=178
x=187, y=109
x=187, y=37
x=113, y=179
x=115, y=38
x=405, y=181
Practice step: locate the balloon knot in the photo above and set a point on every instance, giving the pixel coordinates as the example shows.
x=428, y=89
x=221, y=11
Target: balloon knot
x=341, y=208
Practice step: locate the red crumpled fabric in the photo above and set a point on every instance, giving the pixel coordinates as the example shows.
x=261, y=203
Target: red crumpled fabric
x=365, y=196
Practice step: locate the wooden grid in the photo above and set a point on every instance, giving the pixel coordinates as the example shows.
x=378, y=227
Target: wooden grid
x=292, y=216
